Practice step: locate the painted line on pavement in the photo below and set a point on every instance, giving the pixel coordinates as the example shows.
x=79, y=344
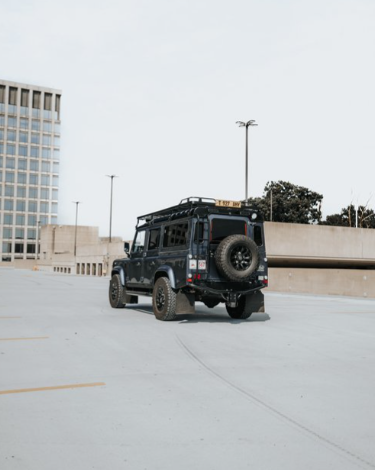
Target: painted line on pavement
x=24, y=339
x=58, y=387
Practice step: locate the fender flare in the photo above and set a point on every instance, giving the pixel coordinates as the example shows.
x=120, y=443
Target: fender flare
x=169, y=272
x=119, y=270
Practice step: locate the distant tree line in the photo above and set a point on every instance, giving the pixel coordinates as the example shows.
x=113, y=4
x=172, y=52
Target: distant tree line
x=286, y=202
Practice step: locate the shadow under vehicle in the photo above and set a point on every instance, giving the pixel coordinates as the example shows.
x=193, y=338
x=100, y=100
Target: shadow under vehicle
x=204, y=250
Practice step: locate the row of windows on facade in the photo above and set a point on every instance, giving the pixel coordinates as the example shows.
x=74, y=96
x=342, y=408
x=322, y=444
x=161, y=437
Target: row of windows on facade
x=30, y=178
x=24, y=95
x=29, y=221
x=19, y=233
x=31, y=192
x=31, y=206
x=34, y=152
x=30, y=138
x=18, y=248
x=24, y=123
x=33, y=165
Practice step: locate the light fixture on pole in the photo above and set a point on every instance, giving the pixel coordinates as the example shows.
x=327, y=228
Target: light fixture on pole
x=247, y=125
x=110, y=209
x=75, y=228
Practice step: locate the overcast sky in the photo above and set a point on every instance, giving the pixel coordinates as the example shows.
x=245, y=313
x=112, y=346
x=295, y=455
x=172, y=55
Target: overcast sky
x=151, y=91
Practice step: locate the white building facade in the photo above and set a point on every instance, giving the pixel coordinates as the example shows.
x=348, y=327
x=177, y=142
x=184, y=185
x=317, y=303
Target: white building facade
x=29, y=166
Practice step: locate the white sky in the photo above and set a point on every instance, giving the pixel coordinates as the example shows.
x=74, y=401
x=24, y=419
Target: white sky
x=152, y=90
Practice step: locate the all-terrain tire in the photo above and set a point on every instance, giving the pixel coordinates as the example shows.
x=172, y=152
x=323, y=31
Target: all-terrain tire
x=237, y=257
x=164, y=300
x=116, y=292
x=239, y=312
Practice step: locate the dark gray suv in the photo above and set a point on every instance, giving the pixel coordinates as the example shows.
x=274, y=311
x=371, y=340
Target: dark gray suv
x=204, y=250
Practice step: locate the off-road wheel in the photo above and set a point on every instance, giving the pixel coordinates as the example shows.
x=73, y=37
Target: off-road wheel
x=237, y=257
x=164, y=300
x=116, y=292
x=239, y=312
x=211, y=303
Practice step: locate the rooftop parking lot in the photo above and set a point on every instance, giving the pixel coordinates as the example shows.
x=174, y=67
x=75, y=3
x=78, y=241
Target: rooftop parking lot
x=84, y=386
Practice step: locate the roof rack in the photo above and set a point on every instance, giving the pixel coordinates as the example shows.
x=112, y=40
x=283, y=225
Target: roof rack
x=187, y=207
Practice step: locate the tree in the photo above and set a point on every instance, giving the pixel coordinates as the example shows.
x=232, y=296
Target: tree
x=347, y=217
x=290, y=203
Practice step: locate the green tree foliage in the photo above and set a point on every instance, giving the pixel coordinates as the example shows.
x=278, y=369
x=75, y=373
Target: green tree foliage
x=290, y=203
x=347, y=217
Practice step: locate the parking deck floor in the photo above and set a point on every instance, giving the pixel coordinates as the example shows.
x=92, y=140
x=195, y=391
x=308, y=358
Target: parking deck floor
x=84, y=386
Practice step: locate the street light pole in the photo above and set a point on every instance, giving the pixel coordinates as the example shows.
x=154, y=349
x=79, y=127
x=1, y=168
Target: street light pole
x=246, y=125
x=110, y=210
x=75, y=229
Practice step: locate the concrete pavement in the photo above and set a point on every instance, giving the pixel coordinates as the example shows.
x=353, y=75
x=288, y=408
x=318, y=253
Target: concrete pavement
x=84, y=386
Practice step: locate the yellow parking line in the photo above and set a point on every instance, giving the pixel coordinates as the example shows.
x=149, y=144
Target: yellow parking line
x=23, y=339
x=58, y=387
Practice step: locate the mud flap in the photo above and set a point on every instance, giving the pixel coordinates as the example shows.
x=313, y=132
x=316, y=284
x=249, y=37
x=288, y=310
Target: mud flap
x=255, y=302
x=185, y=303
x=129, y=299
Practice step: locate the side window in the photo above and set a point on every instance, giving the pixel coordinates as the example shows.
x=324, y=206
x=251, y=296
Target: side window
x=258, y=235
x=154, y=239
x=139, y=242
x=175, y=235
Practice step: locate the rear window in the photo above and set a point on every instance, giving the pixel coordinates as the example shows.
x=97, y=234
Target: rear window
x=175, y=235
x=222, y=228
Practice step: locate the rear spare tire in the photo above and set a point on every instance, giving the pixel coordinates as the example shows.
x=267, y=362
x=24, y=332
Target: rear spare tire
x=237, y=257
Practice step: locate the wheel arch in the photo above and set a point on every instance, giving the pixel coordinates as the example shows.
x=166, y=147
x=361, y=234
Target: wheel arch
x=166, y=271
x=121, y=272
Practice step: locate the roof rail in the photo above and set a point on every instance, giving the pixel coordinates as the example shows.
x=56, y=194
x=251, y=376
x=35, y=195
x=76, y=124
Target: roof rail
x=198, y=199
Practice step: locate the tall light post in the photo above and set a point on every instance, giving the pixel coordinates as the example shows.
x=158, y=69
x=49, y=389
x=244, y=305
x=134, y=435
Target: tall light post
x=75, y=228
x=247, y=125
x=110, y=209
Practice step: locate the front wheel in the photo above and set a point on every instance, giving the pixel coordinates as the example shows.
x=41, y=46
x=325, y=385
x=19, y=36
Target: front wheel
x=239, y=312
x=164, y=300
x=116, y=292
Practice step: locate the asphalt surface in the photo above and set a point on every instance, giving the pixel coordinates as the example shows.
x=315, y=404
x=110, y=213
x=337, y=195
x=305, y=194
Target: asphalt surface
x=84, y=386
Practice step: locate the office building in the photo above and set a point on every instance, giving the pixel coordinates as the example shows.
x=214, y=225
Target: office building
x=29, y=166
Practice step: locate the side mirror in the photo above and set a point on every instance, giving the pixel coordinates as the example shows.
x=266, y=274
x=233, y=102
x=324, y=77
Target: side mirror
x=126, y=247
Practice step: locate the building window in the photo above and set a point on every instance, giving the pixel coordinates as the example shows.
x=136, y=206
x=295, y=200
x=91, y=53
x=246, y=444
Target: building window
x=20, y=219
x=53, y=220
x=46, y=167
x=56, y=141
x=8, y=219
x=24, y=123
x=31, y=248
x=36, y=103
x=21, y=178
x=43, y=219
x=9, y=177
x=12, y=121
x=21, y=191
x=11, y=137
x=34, y=152
x=31, y=220
x=7, y=233
x=57, y=107
x=57, y=128
x=24, y=136
x=8, y=206
x=2, y=120
x=9, y=191
x=22, y=151
x=1, y=134
x=2, y=94
x=46, y=139
x=35, y=138
x=46, y=153
x=20, y=205
x=7, y=248
x=56, y=154
x=34, y=165
x=31, y=233
x=10, y=163
x=54, y=207
x=20, y=233
x=35, y=125
x=55, y=194
x=1, y=148
x=55, y=167
x=18, y=247
x=33, y=178
x=32, y=206
x=47, y=126
x=33, y=193
x=45, y=180
x=11, y=149
x=55, y=180
x=24, y=98
x=44, y=193
x=44, y=207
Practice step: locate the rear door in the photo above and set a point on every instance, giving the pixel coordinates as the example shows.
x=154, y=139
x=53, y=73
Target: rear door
x=135, y=267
